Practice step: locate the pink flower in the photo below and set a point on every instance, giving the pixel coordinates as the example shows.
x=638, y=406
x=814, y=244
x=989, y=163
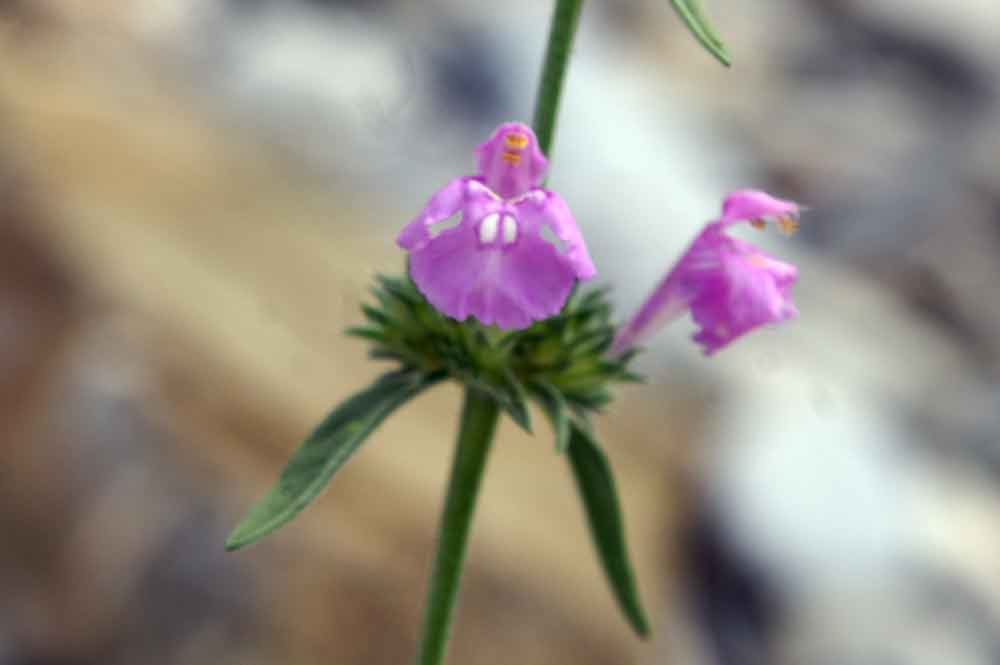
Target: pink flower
x=495, y=265
x=730, y=286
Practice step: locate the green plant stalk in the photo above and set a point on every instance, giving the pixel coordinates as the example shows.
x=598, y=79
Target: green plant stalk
x=481, y=412
x=565, y=18
x=475, y=436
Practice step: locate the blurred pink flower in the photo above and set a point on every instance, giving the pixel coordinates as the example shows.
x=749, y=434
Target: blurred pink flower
x=730, y=286
x=495, y=265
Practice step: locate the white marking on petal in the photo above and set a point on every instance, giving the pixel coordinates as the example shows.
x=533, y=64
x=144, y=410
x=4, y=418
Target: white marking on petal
x=488, y=228
x=509, y=230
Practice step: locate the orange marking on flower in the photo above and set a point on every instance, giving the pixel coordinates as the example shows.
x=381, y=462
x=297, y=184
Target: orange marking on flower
x=758, y=224
x=787, y=224
x=511, y=157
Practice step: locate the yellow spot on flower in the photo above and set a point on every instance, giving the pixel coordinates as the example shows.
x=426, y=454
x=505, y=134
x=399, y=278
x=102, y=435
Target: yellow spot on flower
x=515, y=140
x=758, y=224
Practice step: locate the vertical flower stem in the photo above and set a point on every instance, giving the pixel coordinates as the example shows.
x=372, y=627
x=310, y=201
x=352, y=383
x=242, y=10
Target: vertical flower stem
x=479, y=420
x=565, y=18
x=481, y=412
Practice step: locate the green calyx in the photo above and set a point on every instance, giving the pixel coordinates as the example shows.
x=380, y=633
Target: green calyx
x=561, y=362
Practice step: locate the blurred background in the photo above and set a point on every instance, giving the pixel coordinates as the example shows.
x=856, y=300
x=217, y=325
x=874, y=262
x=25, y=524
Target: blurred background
x=197, y=193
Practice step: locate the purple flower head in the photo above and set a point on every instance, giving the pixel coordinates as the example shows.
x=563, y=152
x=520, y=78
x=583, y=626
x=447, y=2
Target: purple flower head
x=495, y=265
x=730, y=285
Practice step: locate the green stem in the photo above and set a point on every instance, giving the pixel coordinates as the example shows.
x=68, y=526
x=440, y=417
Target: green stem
x=481, y=412
x=479, y=420
x=565, y=18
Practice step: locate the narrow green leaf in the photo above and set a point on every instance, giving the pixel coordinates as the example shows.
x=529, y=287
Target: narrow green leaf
x=694, y=18
x=377, y=316
x=625, y=358
x=516, y=403
x=389, y=354
x=600, y=500
x=398, y=289
x=694, y=6
x=591, y=399
x=594, y=296
x=325, y=451
x=589, y=339
x=510, y=339
x=366, y=332
x=554, y=405
x=631, y=377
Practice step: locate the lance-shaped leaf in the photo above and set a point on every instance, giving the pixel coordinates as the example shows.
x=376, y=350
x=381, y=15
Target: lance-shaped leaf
x=694, y=18
x=600, y=500
x=516, y=402
x=555, y=407
x=325, y=451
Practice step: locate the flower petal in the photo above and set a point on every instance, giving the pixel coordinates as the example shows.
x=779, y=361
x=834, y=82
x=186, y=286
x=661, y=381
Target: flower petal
x=445, y=203
x=495, y=265
x=730, y=286
x=750, y=290
x=535, y=277
x=509, y=287
x=672, y=296
x=749, y=204
x=543, y=208
x=510, y=162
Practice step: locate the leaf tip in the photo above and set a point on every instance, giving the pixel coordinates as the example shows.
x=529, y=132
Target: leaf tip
x=522, y=419
x=641, y=626
x=239, y=538
x=518, y=412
